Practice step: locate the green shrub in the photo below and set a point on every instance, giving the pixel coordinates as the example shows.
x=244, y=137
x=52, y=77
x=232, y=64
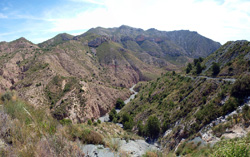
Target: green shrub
x=65, y=121
x=95, y=123
x=99, y=121
x=196, y=61
x=189, y=68
x=89, y=122
x=230, y=105
x=241, y=87
x=85, y=135
x=153, y=127
x=38, y=84
x=128, y=125
x=215, y=69
x=231, y=148
x=112, y=115
x=141, y=130
x=119, y=103
x=127, y=121
x=198, y=68
x=7, y=96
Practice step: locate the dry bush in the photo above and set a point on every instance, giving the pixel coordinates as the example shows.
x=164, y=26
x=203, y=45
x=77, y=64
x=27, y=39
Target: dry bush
x=57, y=146
x=114, y=144
x=31, y=132
x=85, y=135
x=5, y=127
x=151, y=154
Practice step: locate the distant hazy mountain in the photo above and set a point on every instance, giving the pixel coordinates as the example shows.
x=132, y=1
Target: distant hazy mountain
x=173, y=43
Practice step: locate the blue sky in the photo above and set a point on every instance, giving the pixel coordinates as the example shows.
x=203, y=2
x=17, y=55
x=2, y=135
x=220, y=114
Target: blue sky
x=39, y=20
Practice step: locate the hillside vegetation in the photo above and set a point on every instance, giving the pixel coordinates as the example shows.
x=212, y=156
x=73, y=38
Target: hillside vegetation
x=185, y=103
x=29, y=131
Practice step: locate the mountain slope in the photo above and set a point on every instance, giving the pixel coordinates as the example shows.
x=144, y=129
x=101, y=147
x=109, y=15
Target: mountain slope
x=185, y=105
x=60, y=38
x=233, y=59
x=80, y=77
x=74, y=80
x=161, y=43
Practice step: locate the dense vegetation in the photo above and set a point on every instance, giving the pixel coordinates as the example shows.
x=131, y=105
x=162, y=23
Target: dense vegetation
x=119, y=103
x=176, y=99
x=241, y=87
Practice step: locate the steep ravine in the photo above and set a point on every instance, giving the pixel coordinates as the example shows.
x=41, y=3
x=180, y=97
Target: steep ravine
x=134, y=148
x=105, y=118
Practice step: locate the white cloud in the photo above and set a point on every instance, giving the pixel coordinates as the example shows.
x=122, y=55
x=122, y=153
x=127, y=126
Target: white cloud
x=99, y=2
x=219, y=21
x=2, y=16
x=5, y=8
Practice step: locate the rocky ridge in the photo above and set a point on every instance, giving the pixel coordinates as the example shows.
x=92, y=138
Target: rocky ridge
x=80, y=77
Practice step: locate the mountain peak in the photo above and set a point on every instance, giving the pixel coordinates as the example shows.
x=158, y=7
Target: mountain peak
x=22, y=40
x=60, y=38
x=152, y=29
x=64, y=36
x=124, y=27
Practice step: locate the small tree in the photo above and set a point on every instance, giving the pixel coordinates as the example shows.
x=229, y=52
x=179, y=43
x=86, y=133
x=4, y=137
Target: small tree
x=241, y=87
x=200, y=59
x=198, y=68
x=112, y=114
x=89, y=122
x=127, y=121
x=119, y=103
x=189, y=68
x=128, y=125
x=153, y=127
x=125, y=117
x=196, y=61
x=215, y=68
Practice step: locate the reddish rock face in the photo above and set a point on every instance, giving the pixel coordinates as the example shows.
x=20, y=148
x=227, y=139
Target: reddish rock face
x=158, y=40
x=140, y=38
x=98, y=41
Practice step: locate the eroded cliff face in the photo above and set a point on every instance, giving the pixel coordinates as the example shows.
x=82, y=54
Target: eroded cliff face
x=69, y=78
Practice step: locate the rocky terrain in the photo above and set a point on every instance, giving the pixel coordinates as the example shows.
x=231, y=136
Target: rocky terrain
x=53, y=93
x=80, y=77
x=233, y=58
x=160, y=47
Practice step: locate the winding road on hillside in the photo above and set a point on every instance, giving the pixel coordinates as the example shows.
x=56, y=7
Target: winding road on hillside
x=232, y=80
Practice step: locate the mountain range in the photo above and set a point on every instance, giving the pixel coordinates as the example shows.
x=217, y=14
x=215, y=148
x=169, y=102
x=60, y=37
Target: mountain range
x=80, y=77
x=193, y=93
